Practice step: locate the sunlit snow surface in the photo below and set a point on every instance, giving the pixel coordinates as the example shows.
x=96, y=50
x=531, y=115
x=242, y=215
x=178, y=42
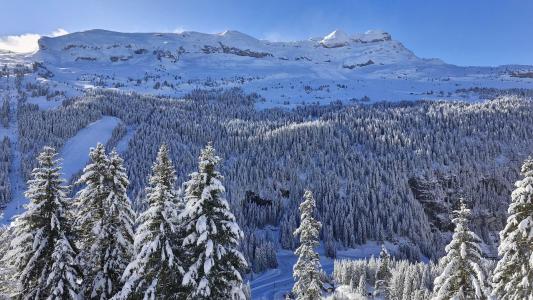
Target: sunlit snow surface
x=339, y=66
x=75, y=152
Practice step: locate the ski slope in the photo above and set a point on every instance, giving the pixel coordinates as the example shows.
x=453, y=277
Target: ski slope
x=74, y=154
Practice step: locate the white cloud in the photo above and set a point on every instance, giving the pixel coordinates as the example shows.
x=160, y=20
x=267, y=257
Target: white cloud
x=180, y=29
x=274, y=37
x=25, y=43
x=59, y=32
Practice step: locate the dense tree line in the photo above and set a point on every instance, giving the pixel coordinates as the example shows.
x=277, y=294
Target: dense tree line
x=464, y=272
x=183, y=246
x=408, y=280
x=5, y=112
x=5, y=167
x=378, y=171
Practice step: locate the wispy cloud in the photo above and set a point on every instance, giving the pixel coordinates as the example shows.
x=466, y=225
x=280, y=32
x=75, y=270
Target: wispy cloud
x=276, y=37
x=25, y=43
x=59, y=32
x=179, y=29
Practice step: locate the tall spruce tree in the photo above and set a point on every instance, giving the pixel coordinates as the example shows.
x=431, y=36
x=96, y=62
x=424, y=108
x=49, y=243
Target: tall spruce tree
x=42, y=250
x=8, y=282
x=361, y=286
x=383, y=274
x=156, y=270
x=463, y=275
x=306, y=271
x=105, y=221
x=513, y=276
x=211, y=235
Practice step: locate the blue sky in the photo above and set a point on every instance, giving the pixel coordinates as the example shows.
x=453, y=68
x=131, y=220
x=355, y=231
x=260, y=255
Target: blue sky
x=467, y=32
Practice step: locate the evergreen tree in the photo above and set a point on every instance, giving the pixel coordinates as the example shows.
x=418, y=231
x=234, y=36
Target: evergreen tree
x=306, y=271
x=8, y=282
x=463, y=275
x=211, y=235
x=42, y=250
x=361, y=287
x=156, y=269
x=513, y=276
x=65, y=277
x=105, y=221
x=4, y=112
x=383, y=274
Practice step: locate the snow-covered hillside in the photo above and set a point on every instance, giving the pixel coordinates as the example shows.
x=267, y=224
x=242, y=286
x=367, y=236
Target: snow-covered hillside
x=387, y=172
x=368, y=67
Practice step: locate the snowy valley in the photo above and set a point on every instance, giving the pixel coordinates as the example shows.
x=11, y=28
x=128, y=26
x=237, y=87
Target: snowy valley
x=387, y=142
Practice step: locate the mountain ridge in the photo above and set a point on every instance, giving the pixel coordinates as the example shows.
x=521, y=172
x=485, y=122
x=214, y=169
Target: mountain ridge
x=336, y=67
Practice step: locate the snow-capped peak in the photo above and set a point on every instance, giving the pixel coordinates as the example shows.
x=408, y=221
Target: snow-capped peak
x=337, y=38
x=234, y=33
x=234, y=36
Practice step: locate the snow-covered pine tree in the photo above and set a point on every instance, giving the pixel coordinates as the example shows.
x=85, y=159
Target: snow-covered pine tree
x=42, y=250
x=361, y=286
x=117, y=230
x=156, y=269
x=306, y=271
x=8, y=284
x=463, y=275
x=383, y=274
x=513, y=276
x=90, y=211
x=211, y=235
x=65, y=277
x=105, y=222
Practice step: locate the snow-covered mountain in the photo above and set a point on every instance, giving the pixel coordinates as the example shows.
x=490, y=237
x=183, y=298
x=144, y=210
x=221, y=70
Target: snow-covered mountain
x=339, y=66
x=389, y=172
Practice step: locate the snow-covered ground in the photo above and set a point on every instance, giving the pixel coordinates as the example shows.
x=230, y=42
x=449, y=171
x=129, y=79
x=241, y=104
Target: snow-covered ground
x=75, y=152
x=275, y=283
x=339, y=66
x=43, y=103
x=122, y=145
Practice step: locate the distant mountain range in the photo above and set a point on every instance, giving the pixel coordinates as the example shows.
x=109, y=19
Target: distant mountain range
x=359, y=67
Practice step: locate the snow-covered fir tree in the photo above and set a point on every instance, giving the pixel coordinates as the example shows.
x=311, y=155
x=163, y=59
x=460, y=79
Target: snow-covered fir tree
x=42, y=250
x=410, y=280
x=65, y=278
x=105, y=222
x=212, y=235
x=8, y=282
x=306, y=271
x=4, y=113
x=513, y=276
x=361, y=286
x=383, y=275
x=463, y=275
x=156, y=269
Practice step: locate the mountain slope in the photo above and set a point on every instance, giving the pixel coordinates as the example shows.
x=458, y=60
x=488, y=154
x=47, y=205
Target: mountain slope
x=338, y=66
